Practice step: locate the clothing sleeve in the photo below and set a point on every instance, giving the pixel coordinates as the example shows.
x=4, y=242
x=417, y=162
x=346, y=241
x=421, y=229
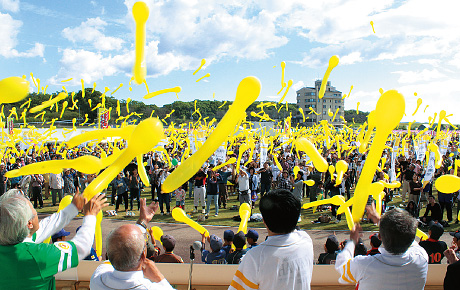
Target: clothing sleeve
x=345, y=265
x=246, y=277
x=84, y=238
x=55, y=258
x=54, y=223
x=204, y=254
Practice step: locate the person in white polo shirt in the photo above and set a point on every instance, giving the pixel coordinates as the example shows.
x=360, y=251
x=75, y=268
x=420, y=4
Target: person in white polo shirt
x=401, y=264
x=285, y=259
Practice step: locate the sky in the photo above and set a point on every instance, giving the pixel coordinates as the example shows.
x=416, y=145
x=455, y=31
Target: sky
x=415, y=48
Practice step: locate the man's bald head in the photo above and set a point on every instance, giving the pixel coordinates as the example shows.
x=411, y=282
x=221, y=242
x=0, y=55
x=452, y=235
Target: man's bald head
x=125, y=246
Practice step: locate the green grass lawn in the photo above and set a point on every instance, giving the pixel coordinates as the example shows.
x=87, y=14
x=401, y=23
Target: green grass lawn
x=225, y=215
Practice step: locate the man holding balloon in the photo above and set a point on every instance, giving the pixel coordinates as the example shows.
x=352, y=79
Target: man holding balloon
x=20, y=235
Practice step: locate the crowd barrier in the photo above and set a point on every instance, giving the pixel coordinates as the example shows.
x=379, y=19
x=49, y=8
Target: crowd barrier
x=207, y=277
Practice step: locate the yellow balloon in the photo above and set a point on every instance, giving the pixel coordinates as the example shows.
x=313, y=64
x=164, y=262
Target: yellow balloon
x=296, y=170
x=101, y=134
x=140, y=14
x=341, y=167
x=137, y=144
x=87, y=164
x=157, y=233
x=98, y=234
x=245, y=213
x=13, y=89
x=141, y=171
x=421, y=235
x=229, y=161
x=302, y=144
x=65, y=201
x=179, y=215
x=247, y=92
x=336, y=200
x=387, y=115
x=309, y=182
x=447, y=183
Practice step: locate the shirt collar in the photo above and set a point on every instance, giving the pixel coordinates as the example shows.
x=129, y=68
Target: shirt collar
x=385, y=252
x=283, y=240
x=127, y=275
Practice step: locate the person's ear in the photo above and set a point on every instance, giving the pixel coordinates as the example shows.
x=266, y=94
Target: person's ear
x=30, y=224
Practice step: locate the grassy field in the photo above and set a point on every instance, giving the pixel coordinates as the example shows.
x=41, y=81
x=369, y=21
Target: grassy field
x=225, y=215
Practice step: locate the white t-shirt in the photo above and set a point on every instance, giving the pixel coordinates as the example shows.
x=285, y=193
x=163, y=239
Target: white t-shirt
x=281, y=262
x=106, y=277
x=384, y=270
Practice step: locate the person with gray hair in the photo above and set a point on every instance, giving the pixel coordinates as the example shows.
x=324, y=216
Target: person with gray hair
x=29, y=265
x=402, y=262
x=129, y=266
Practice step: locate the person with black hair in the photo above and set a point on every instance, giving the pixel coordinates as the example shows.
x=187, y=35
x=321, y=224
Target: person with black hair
x=434, y=208
x=402, y=263
x=239, y=240
x=433, y=247
x=285, y=259
x=331, y=247
x=375, y=244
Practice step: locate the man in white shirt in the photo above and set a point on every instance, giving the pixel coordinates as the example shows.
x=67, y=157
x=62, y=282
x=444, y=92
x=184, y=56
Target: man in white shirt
x=129, y=266
x=56, y=185
x=243, y=187
x=285, y=260
x=401, y=264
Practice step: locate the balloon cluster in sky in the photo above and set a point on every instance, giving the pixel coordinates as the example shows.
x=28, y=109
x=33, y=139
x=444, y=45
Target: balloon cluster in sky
x=233, y=129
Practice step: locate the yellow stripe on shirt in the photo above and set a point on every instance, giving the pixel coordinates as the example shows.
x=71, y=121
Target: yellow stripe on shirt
x=246, y=280
x=344, y=278
x=237, y=286
x=349, y=271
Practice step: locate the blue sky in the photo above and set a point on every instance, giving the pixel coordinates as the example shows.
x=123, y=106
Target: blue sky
x=415, y=48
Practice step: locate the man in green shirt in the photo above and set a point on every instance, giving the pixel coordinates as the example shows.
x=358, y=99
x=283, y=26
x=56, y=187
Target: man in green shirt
x=27, y=265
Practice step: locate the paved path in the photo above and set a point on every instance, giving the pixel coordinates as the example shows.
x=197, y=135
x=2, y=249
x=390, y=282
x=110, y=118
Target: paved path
x=185, y=236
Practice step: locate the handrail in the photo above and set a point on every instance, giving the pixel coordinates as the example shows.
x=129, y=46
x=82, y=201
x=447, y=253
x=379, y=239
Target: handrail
x=221, y=275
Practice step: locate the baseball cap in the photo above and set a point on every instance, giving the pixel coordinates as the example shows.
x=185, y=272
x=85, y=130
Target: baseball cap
x=376, y=242
x=229, y=235
x=437, y=230
x=239, y=240
x=61, y=233
x=252, y=234
x=216, y=242
x=168, y=241
x=455, y=234
x=332, y=244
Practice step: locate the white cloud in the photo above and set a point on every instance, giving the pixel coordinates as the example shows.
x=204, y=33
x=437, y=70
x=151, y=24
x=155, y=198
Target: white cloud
x=91, y=31
x=212, y=29
x=10, y=5
x=298, y=85
x=406, y=77
x=351, y=58
x=8, y=39
x=93, y=66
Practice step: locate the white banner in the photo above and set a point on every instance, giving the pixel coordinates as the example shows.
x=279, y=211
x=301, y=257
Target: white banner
x=393, y=164
x=421, y=150
x=221, y=152
x=430, y=168
x=263, y=153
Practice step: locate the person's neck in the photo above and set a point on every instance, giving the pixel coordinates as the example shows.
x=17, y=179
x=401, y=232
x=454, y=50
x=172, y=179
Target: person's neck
x=270, y=233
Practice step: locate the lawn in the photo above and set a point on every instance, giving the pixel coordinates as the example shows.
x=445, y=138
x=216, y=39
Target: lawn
x=225, y=215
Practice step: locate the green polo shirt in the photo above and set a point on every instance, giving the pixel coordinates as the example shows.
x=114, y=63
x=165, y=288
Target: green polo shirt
x=33, y=266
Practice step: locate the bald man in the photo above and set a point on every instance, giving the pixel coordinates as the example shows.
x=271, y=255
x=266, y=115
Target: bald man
x=130, y=268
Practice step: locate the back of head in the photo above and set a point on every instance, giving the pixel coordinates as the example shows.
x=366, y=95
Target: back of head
x=239, y=240
x=280, y=211
x=397, y=231
x=15, y=213
x=125, y=246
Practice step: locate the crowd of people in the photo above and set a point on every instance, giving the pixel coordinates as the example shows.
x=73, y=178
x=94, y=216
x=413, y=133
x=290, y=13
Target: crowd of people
x=276, y=182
